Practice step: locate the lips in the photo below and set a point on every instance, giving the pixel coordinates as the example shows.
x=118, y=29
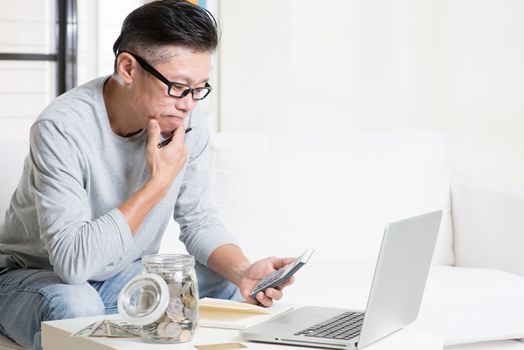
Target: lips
x=177, y=118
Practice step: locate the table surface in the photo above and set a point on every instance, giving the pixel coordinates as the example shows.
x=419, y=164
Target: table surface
x=56, y=336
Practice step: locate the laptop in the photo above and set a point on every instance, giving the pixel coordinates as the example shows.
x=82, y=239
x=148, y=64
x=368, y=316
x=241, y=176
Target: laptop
x=394, y=300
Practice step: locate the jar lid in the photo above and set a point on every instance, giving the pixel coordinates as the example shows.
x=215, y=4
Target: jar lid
x=167, y=262
x=143, y=299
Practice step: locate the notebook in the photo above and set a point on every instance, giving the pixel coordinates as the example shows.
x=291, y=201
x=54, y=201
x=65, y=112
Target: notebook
x=219, y=313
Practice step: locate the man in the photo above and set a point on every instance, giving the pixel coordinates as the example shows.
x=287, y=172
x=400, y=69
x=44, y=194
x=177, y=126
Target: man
x=97, y=192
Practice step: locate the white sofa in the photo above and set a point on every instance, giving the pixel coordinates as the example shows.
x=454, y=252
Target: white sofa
x=280, y=194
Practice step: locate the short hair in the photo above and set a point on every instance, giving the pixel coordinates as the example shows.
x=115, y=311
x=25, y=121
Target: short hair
x=167, y=22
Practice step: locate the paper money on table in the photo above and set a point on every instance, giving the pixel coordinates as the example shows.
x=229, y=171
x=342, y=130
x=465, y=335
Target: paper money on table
x=106, y=328
x=130, y=328
x=99, y=329
x=84, y=332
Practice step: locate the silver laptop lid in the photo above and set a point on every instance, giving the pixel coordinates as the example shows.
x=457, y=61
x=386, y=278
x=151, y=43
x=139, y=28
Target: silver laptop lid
x=400, y=276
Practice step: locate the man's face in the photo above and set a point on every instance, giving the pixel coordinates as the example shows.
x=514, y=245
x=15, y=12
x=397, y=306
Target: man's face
x=150, y=96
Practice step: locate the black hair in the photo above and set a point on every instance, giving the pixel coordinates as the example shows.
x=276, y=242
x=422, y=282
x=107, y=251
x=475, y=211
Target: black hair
x=167, y=22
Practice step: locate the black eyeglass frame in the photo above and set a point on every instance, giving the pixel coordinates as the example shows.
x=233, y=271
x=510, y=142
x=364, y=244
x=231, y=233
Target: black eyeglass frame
x=151, y=70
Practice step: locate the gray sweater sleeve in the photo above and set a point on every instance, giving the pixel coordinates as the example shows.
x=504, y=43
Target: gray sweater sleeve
x=78, y=245
x=201, y=229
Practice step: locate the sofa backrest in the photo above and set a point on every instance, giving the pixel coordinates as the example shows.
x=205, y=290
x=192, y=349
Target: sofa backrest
x=279, y=194
x=12, y=155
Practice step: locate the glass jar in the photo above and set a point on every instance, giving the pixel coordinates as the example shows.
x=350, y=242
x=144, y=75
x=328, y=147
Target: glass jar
x=164, y=299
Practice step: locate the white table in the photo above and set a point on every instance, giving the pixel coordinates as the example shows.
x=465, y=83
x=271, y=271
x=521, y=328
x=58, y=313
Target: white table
x=56, y=336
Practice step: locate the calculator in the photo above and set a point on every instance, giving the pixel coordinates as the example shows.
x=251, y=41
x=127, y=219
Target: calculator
x=281, y=275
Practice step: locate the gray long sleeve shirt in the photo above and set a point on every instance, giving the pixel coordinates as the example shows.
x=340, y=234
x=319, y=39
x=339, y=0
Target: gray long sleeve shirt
x=64, y=214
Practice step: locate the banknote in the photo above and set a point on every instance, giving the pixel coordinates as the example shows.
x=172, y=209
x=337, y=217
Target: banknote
x=106, y=328
x=84, y=332
x=130, y=328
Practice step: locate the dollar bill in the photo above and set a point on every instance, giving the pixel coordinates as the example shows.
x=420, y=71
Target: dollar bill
x=106, y=328
x=99, y=330
x=130, y=328
x=114, y=331
x=84, y=332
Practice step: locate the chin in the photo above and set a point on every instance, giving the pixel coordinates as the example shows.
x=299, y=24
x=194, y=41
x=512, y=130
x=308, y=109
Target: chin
x=168, y=129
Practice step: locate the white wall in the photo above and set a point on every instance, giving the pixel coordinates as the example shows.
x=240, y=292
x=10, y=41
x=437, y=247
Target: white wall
x=99, y=24
x=347, y=66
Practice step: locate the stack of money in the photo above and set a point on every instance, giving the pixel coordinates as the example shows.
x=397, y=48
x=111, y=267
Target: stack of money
x=180, y=320
x=111, y=329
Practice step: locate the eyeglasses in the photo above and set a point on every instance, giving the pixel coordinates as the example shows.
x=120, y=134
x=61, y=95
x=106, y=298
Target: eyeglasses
x=174, y=89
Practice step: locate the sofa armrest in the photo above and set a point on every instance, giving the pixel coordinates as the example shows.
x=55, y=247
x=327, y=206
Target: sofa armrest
x=488, y=224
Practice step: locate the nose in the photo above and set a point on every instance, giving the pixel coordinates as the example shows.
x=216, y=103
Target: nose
x=185, y=103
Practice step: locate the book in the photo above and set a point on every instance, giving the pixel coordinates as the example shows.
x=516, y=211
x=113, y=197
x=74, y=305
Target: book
x=230, y=314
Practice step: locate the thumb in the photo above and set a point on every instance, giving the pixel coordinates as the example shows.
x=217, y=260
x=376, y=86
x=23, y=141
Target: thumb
x=245, y=295
x=281, y=262
x=153, y=133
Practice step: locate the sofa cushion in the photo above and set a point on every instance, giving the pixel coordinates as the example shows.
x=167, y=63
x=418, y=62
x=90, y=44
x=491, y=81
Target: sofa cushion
x=279, y=194
x=488, y=223
x=467, y=305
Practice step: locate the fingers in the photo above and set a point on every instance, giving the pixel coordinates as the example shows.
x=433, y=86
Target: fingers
x=273, y=293
x=246, y=296
x=153, y=134
x=179, y=135
x=264, y=300
x=267, y=297
x=257, y=271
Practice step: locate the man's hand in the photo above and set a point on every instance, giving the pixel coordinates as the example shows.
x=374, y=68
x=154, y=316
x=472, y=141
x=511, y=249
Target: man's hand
x=256, y=272
x=167, y=162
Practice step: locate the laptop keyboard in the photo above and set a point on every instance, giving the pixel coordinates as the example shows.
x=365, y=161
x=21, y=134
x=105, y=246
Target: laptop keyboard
x=344, y=326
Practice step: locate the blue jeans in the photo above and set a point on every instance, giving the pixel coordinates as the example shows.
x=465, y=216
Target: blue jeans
x=30, y=296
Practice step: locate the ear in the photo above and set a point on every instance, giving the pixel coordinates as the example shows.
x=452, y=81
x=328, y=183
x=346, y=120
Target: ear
x=126, y=67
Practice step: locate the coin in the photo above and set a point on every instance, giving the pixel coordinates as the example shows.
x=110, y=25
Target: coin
x=172, y=330
x=186, y=286
x=175, y=289
x=189, y=301
x=193, y=290
x=161, y=329
x=186, y=324
x=175, y=309
x=191, y=314
x=185, y=335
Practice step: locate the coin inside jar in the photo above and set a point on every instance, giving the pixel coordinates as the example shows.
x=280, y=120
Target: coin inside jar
x=186, y=324
x=185, y=335
x=175, y=310
x=172, y=330
x=175, y=289
x=161, y=329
